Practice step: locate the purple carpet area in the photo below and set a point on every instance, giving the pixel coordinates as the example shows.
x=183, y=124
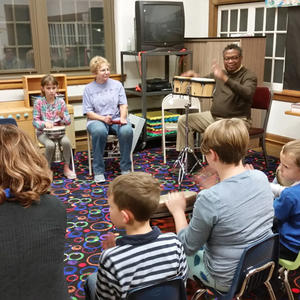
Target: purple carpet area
x=88, y=214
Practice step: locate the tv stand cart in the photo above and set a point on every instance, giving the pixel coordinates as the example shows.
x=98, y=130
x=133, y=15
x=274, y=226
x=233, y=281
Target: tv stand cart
x=144, y=93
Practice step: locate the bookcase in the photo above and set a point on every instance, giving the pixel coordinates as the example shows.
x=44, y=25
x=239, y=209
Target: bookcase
x=32, y=87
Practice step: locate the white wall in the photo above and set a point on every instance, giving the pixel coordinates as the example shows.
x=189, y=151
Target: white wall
x=195, y=26
x=282, y=124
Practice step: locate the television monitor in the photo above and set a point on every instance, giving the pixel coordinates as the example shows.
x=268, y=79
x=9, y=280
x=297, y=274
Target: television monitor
x=159, y=25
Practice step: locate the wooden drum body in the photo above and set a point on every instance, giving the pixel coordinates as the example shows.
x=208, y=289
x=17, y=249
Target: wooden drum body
x=202, y=87
x=181, y=85
x=163, y=211
x=55, y=134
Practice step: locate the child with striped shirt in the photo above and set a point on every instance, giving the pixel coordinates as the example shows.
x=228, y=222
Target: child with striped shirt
x=144, y=255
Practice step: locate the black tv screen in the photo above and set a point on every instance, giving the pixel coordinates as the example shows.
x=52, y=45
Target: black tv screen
x=159, y=25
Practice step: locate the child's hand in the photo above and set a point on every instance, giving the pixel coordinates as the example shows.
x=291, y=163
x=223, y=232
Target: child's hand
x=207, y=177
x=176, y=202
x=60, y=114
x=109, y=241
x=48, y=125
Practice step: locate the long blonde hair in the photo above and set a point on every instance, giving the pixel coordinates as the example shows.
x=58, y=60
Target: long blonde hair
x=24, y=170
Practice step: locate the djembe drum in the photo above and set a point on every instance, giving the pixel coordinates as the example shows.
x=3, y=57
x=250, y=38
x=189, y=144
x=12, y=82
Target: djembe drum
x=55, y=134
x=202, y=87
x=162, y=210
x=181, y=85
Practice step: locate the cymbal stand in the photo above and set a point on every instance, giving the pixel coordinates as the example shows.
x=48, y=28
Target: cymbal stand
x=182, y=160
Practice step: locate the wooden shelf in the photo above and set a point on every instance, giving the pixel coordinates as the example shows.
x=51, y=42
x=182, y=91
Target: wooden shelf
x=292, y=113
x=32, y=87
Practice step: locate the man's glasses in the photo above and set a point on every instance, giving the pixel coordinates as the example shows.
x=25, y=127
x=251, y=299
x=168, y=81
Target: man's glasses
x=232, y=58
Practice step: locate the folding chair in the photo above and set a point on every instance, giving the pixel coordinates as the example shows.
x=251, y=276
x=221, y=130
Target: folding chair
x=261, y=101
x=287, y=266
x=169, y=289
x=172, y=101
x=114, y=150
x=255, y=268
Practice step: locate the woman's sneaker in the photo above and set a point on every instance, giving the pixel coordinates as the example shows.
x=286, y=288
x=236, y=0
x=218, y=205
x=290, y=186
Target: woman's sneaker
x=99, y=178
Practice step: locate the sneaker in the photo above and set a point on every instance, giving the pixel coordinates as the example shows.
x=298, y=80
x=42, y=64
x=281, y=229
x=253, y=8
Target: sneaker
x=99, y=178
x=125, y=172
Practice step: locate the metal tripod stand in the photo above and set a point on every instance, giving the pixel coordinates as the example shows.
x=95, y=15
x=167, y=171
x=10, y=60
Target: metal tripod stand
x=182, y=160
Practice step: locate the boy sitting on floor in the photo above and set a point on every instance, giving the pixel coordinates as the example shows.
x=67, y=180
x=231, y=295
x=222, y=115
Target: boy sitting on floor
x=287, y=204
x=145, y=255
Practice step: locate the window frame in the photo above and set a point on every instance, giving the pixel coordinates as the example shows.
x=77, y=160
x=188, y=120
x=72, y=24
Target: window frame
x=252, y=31
x=41, y=41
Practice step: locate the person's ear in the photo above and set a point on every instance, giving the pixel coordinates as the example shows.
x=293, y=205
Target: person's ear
x=214, y=155
x=127, y=216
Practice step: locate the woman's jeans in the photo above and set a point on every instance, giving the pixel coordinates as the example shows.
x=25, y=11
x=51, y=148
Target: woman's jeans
x=99, y=132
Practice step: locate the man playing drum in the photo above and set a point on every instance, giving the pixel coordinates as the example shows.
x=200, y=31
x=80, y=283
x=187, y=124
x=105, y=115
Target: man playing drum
x=49, y=112
x=234, y=90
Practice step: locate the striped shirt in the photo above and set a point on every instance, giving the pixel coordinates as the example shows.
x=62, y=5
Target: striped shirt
x=139, y=260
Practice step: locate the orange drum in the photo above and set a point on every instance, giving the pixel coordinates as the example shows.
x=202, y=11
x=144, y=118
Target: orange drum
x=202, y=87
x=163, y=211
x=181, y=85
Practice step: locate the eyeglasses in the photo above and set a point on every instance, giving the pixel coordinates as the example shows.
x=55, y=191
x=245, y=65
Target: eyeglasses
x=232, y=58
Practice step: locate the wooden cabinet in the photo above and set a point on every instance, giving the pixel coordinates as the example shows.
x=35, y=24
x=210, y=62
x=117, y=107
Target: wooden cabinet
x=23, y=116
x=32, y=87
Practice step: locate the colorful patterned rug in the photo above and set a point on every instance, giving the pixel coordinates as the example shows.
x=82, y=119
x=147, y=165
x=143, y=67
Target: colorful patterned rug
x=88, y=213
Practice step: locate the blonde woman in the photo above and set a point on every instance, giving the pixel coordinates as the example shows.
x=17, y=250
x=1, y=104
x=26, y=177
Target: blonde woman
x=33, y=222
x=105, y=105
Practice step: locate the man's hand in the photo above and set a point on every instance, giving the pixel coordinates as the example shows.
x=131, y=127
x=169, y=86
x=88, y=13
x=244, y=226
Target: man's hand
x=109, y=241
x=190, y=73
x=218, y=72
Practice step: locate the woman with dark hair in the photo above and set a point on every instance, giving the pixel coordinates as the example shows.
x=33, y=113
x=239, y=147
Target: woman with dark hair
x=33, y=223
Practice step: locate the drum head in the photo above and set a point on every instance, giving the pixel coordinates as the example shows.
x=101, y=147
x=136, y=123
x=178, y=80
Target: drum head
x=203, y=80
x=55, y=128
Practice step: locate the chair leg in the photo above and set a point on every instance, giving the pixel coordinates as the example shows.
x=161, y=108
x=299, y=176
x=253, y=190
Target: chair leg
x=89, y=154
x=263, y=145
x=197, y=295
x=270, y=290
x=164, y=144
x=72, y=161
x=132, y=165
x=287, y=284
